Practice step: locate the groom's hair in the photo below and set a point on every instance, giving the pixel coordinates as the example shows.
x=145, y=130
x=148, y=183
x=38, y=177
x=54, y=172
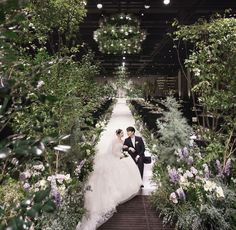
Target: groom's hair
x=131, y=129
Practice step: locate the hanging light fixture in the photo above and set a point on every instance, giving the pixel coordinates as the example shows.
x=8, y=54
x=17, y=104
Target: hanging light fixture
x=166, y=2
x=99, y=5
x=120, y=34
x=147, y=5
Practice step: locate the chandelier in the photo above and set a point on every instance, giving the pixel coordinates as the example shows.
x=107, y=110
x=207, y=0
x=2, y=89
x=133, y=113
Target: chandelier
x=119, y=34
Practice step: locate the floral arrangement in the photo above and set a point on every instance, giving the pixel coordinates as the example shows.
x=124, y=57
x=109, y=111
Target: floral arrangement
x=47, y=103
x=119, y=34
x=193, y=190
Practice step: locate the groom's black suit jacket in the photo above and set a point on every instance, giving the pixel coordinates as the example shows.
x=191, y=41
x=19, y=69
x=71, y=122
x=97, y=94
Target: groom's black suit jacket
x=139, y=147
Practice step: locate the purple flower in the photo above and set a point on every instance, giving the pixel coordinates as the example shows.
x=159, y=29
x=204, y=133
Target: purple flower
x=56, y=197
x=54, y=192
x=206, y=171
x=174, y=175
x=194, y=171
x=79, y=167
x=25, y=175
x=190, y=160
x=26, y=187
x=227, y=167
x=219, y=168
x=185, y=152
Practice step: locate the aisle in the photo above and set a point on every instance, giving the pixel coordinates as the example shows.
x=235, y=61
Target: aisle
x=122, y=118
x=135, y=214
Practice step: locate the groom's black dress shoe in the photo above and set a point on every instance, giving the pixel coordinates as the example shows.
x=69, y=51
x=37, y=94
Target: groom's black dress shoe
x=142, y=186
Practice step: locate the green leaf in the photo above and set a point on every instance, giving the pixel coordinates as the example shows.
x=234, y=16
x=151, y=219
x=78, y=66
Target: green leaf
x=32, y=213
x=49, y=206
x=41, y=195
x=16, y=223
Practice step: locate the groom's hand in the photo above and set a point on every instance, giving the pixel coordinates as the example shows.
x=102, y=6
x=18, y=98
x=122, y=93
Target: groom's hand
x=132, y=149
x=125, y=147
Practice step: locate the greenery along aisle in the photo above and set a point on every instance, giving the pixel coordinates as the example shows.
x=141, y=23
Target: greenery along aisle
x=50, y=108
x=193, y=192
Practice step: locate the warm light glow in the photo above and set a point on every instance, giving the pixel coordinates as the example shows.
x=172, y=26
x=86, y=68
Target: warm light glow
x=146, y=6
x=123, y=58
x=99, y=6
x=166, y=2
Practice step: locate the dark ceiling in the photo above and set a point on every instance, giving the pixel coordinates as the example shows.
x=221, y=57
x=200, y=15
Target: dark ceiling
x=157, y=55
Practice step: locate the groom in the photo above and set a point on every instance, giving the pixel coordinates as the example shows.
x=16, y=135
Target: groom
x=135, y=147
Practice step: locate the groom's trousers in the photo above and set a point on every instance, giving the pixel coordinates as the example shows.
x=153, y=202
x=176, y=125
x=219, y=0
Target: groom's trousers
x=140, y=165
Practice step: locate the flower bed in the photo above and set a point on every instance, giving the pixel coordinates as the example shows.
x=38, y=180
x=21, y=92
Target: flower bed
x=194, y=190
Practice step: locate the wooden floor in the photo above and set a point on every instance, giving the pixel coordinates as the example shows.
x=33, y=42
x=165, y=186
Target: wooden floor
x=135, y=214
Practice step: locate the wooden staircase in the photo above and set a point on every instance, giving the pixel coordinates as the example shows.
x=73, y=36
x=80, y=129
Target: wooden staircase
x=135, y=214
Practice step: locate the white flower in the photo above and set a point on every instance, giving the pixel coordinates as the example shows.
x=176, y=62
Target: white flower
x=234, y=180
x=43, y=183
x=197, y=71
x=194, y=171
x=61, y=177
x=154, y=147
x=219, y=192
x=62, y=189
x=27, y=202
x=188, y=174
x=180, y=170
x=173, y=198
x=183, y=181
x=3, y=155
x=27, y=174
x=209, y=185
x=193, y=137
x=88, y=151
x=39, y=167
x=67, y=177
x=39, y=151
x=168, y=167
x=97, y=125
x=200, y=172
x=40, y=84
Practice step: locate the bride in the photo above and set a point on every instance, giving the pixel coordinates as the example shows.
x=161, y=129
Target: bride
x=115, y=179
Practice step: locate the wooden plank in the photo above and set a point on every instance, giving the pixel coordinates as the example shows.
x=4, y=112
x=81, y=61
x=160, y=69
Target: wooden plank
x=135, y=214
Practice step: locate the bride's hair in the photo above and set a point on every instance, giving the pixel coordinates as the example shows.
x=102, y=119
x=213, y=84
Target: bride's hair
x=118, y=131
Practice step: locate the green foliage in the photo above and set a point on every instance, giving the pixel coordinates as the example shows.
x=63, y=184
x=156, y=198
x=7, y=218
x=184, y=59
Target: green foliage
x=174, y=131
x=193, y=190
x=44, y=94
x=68, y=214
x=121, y=75
x=212, y=62
x=149, y=89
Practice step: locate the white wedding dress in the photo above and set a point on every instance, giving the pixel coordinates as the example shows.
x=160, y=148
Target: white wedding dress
x=112, y=182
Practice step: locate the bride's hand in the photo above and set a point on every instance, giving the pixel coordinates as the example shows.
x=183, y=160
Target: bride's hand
x=125, y=146
x=132, y=149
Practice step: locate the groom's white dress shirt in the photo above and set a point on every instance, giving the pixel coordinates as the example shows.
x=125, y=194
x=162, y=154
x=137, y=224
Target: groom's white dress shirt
x=133, y=141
